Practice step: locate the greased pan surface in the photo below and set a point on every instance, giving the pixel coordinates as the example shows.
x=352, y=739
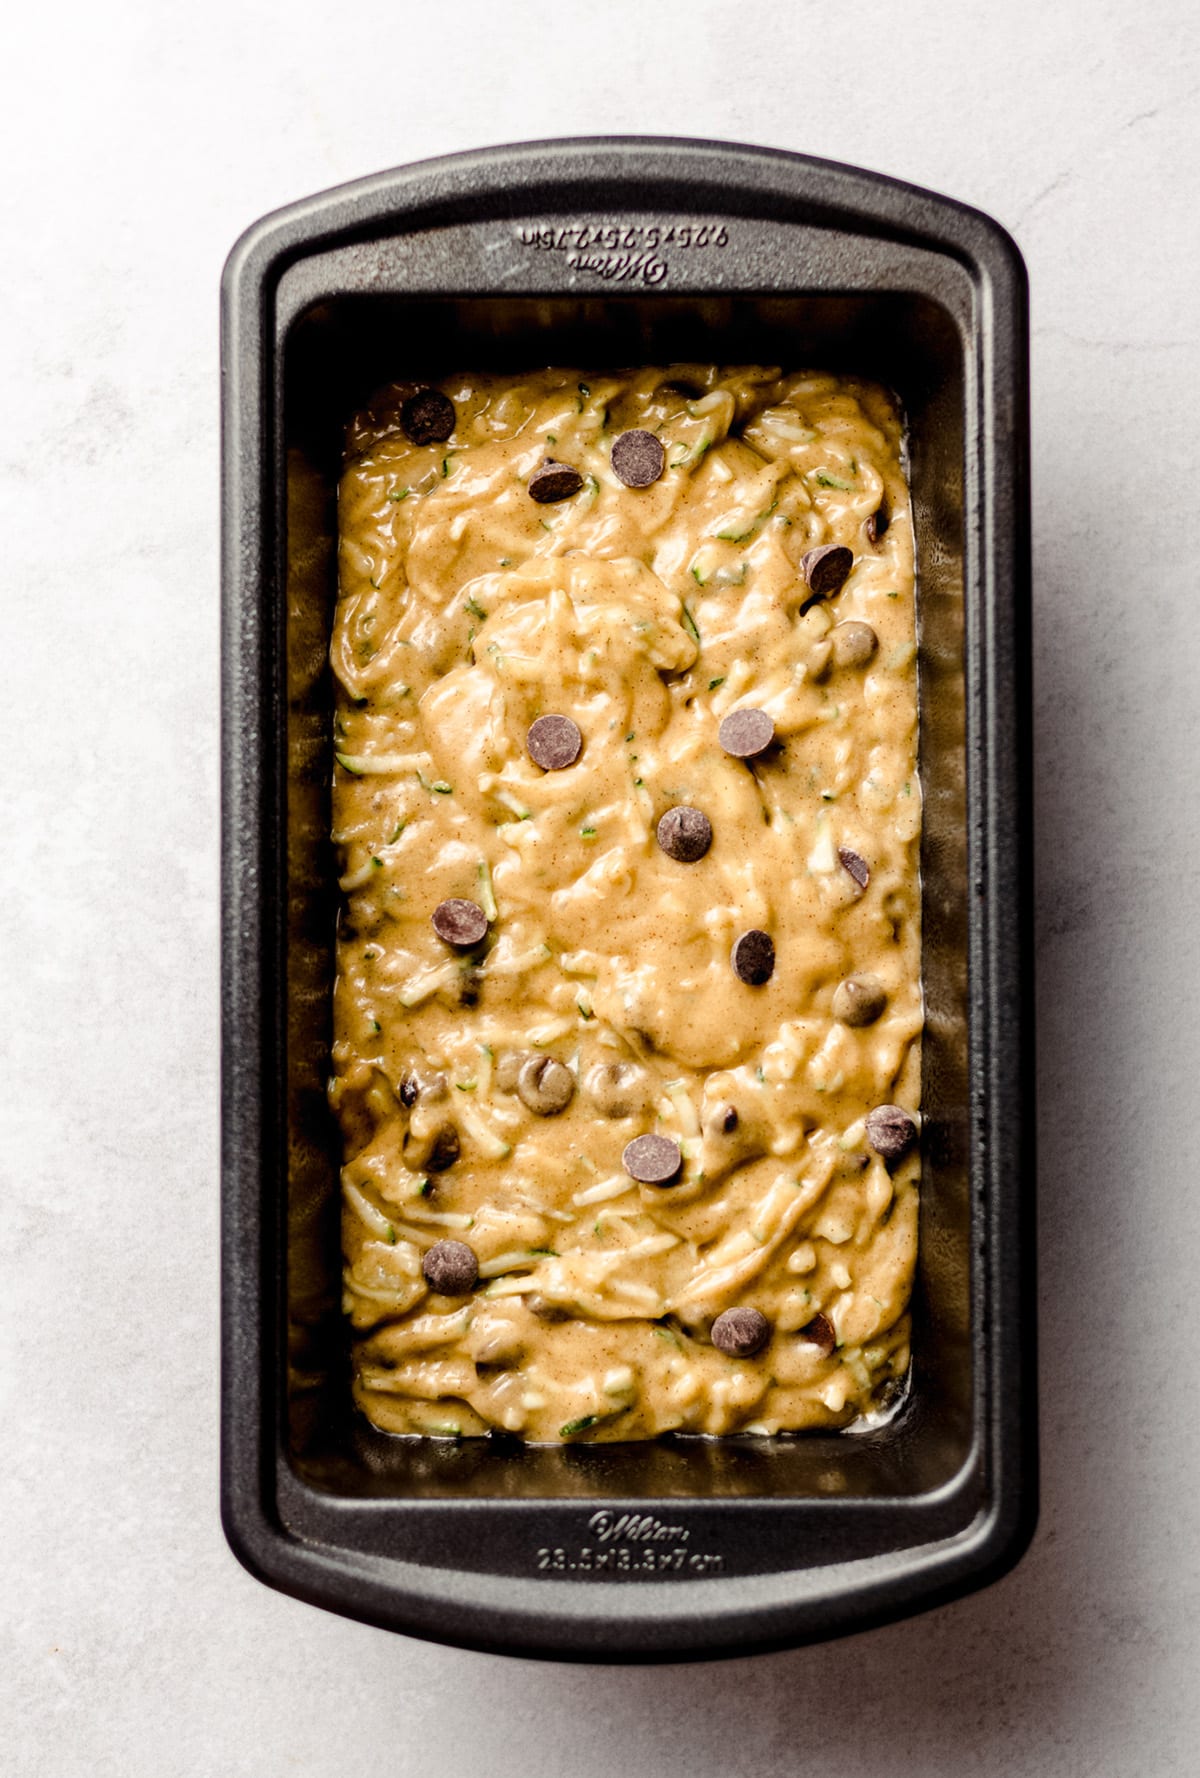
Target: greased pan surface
x=610, y=253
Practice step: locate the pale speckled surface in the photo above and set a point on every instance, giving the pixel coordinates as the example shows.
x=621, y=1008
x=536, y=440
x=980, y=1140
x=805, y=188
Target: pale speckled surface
x=138, y=141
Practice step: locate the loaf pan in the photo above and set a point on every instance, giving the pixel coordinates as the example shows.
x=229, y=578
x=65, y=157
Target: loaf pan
x=603, y=253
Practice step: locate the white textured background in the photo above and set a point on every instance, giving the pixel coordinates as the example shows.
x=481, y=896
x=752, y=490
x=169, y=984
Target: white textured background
x=139, y=139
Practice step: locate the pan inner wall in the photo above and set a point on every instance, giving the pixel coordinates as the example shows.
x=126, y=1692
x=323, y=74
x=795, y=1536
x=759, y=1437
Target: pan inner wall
x=335, y=354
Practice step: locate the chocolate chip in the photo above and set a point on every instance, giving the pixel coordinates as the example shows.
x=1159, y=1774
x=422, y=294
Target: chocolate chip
x=723, y=1121
x=638, y=458
x=746, y=733
x=654, y=1160
x=618, y=1089
x=544, y=1309
x=859, y=1000
x=430, y=1089
x=685, y=834
x=451, y=1268
x=428, y=417
x=891, y=1131
x=545, y=1085
x=508, y=1067
x=741, y=1332
x=754, y=957
x=820, y=1332
x=459, y=923
x=855, y=865
x=445, y=1150
x=553, y=742
x=825, y=569
x=879, y=521
x=853, y=644
x=553, y=481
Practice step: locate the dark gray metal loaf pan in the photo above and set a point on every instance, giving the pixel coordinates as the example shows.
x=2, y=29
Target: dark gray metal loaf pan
x=597, y=253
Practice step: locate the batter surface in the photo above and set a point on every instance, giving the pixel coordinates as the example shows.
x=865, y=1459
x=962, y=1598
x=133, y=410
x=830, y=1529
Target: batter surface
x=628, y=1008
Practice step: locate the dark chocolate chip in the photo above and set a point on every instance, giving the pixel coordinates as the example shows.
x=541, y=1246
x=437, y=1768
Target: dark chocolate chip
x=825, y=569
x=891, y=1131
x=654, y=1160
x=451, y=1267
x=553, y=742
x=859, y=1000
x=853, y=643
x=445, y=1151
x=428, y=417
x=685, y=834
x=746, y=733
x=545, y=1085
x=638, y=458
x=741, y=1332
x=819, y=1332
x=459, y=923
x=879, y=521
x=855, y=865
x=508, y=1068
x=553, y=481
x=729, y=1120
x=409, y=1088
x=754, y=957
x=618, y=1089
x=545, y=1310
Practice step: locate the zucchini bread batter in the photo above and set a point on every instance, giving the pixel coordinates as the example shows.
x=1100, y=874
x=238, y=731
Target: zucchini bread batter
x=628, y=1006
